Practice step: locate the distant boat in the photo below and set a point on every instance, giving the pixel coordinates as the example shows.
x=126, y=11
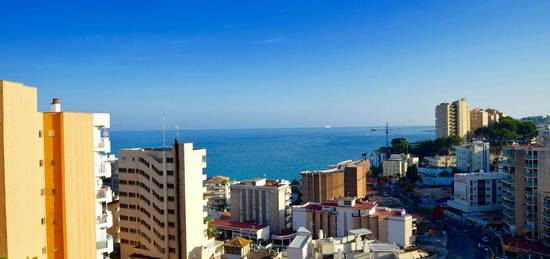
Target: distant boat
x=373, y=129
x=328, y=127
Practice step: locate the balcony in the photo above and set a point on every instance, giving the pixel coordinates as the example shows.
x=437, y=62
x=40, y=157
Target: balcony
x=506, y=171
x=509, y=213
x=103, y=144
x=508, y=221
x=546, y=214
x=530, y=202
x=508, y=196
x=507, y=153
x=546, y=204
x=103, y=169
x=508, y=204
x=105, y=194
x=531, y=174
x=531, y=184
x=546, y=232
x=105, y=246
x=530, y=227
x=530, y=193
x=531, y=156
x=508, y=188
x=546, y=223
x=509, y=180
x=508, y=163
x=530, y=210
x=105, y=220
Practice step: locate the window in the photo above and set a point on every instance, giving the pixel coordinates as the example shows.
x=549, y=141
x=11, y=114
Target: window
x=170, y=186
x=172, y=224
x=171, y=211
x=169, y=160
x=172, y=250
x=170, y=198
x=40, y=134
x=43, y=221
x=170, y=172
x=41, y=163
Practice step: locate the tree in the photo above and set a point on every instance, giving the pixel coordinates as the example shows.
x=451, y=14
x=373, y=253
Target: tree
x=412, y=174
x=211, y=230
x=399, y=145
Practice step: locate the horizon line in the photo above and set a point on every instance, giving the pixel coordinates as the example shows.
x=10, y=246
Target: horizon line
x=320, y=127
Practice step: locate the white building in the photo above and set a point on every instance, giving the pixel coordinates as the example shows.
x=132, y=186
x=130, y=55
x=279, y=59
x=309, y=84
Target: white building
x=477, y=192
x=397, y=165
x=473, y=157
x=299, y=247
x=104, y=194
x=376, y=158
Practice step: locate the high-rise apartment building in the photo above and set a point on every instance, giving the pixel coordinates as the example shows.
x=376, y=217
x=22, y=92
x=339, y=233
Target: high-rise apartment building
x=347, y=178
x=526, y=195
x=162, y=203
x=60, y=213
x=262, y=201
x=473, y=156
x=452, y=119
x=478, y=118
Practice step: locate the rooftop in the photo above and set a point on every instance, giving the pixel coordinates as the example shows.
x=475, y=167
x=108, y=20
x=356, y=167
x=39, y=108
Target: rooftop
x=240, y=225
x=238, y=242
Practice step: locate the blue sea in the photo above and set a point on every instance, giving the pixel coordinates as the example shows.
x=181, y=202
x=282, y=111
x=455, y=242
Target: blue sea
x=274, y=153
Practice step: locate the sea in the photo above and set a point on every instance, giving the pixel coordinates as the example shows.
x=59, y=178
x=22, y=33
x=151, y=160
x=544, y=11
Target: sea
x=280, y=153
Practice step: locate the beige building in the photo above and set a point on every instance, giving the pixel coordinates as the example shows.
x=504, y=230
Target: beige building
x=440, y=161
x=217, y=192
x=397, y=165
x=452, y=119
x=526, y=196
x=262, y=201
x=338, y=218
x=59, y=214
x=478, y=118
x=162, y=204
x=347, y=178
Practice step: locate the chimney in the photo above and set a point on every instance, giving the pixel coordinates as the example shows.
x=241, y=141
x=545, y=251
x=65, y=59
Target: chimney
x=55, y=105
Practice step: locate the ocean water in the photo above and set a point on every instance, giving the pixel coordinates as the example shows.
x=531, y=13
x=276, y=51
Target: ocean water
x=273, y=153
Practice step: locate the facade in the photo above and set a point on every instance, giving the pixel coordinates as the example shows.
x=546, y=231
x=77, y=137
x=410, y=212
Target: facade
x=229, y=229
x=435, y=176
x=452, y=119
x=478, y=118
x=440, y=161
x=473, y=157
x=495, y=115
x=376, y=158
x=337, y=218
x=397, y=165
x=63, y=221
x=477, y=192
x=237, y=248
x=218, y=192
x=261, y=201
x=162, y=203
x=347, y=178
x=526, y=196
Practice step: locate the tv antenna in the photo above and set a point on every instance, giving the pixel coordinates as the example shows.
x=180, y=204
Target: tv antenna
x=178, y=133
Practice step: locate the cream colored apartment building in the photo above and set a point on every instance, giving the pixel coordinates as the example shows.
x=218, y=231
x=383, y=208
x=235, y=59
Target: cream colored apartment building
x=452, y=119
x=51, y=189
x=162, y=202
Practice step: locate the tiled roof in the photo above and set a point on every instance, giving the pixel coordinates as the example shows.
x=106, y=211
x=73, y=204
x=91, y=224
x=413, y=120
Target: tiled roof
x=217, y=179
x=238, y=242
x=243, y=225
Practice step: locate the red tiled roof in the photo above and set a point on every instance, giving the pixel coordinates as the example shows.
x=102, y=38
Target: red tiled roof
x=284, y=233
x=231, y=224
x=217, y=179
x=225, y=213
x=313, y=207
x=522, y=243
x=387, y=213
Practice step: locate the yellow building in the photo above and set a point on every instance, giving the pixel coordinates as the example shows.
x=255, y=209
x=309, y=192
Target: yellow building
x=48, y=185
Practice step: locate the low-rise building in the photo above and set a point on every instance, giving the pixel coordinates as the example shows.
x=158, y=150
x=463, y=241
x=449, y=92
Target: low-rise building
x=237, y=248
x=230, y=229
x=473, y=156
x=336, y=218
x=262, y=202
x=431, y=197
x=435, y=176
x=395, y=166
x=476, y=192
x=440, y=161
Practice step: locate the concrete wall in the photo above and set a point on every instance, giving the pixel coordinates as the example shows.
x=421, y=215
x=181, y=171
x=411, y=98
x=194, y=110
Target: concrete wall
x=22, y=205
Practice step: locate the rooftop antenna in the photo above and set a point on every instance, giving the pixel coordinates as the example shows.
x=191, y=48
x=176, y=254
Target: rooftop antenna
x=163, y=132
x=178, y=133
x=387, y=142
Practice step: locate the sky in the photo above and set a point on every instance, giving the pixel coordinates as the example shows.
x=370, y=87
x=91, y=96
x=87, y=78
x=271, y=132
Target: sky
x=285, y=63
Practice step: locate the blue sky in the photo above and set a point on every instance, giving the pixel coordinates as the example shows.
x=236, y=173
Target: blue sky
x=254, y=64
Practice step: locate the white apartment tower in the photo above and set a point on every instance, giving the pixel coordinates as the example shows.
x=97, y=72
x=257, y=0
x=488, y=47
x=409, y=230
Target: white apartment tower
x=162, y=206
x=473, y=157
x=452, y=119
x=104, y=194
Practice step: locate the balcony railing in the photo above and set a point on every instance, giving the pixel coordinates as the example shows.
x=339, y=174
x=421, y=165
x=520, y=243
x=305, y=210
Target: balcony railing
x=508, y=204
x=508, y=196
x=546, y=204
x=531, y=156
x=546, y=232
x=509, y=180
x=530, y=210
x=546, y=223
x=531, y=184
x=546, y=214
x=531, y=174
x=509, y=213
x=507, y=153
x=508, y=188
x=532, y=193
x=530, y=202
x=508, y=162
x=104, y=244
x=103, y=219
x=508, y=221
